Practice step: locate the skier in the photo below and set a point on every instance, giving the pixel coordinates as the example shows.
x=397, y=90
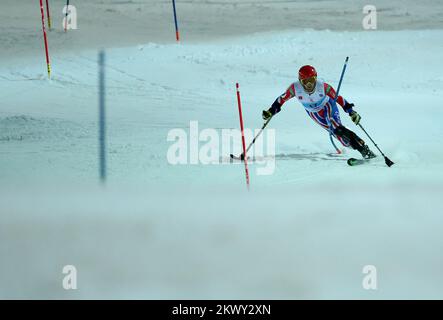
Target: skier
x=318, y=99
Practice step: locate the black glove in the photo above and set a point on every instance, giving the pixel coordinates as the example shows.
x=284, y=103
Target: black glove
x=348, y=107
x=355, y=117
x=266, y=115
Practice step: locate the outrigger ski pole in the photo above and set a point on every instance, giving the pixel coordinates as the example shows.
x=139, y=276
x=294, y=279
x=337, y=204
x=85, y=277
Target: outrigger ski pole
x=242, y=156
x=387, y=160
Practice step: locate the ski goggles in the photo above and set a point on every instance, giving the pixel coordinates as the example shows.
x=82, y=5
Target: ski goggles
x=311, y=80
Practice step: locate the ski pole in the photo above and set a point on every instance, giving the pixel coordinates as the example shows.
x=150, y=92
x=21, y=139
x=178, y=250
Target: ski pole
x=387, y=160
x=335, y=100
x=242, y=156
x=258, y=134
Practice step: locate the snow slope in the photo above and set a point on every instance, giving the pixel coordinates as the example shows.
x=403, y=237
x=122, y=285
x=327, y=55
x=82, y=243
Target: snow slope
x=116, y=23
x=192, y=231
x=154, y=88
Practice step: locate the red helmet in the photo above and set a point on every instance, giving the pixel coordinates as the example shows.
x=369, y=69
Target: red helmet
x=306, y=72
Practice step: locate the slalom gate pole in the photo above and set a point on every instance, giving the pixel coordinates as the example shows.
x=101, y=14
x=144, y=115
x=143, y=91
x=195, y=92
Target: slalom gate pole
x=48, y=64
x=102, y=117
x=341, y=79
x=335, y=101
x=48, y=14
x=177, y=32
x=66, y=16
x=242, y=135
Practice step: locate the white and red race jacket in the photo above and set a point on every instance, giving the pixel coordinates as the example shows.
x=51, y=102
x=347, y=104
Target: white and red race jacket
x=313, y=102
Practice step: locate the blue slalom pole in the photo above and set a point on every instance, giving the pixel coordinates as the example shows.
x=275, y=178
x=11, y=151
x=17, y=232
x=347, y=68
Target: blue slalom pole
x=101, y=117
x=177, y=33
x=335, y=100
x=341, y=78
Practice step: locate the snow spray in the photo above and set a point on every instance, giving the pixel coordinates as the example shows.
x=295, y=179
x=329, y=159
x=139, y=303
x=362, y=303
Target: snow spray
x=242, y=136
x=45, y=39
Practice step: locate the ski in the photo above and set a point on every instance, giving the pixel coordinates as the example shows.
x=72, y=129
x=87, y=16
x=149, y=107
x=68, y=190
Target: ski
x=356, y=162
x=241, y=157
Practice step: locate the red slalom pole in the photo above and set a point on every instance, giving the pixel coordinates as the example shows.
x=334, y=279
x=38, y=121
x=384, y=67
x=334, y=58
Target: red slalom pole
x=48, y=14
x=242, y=135
x=45, y=39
